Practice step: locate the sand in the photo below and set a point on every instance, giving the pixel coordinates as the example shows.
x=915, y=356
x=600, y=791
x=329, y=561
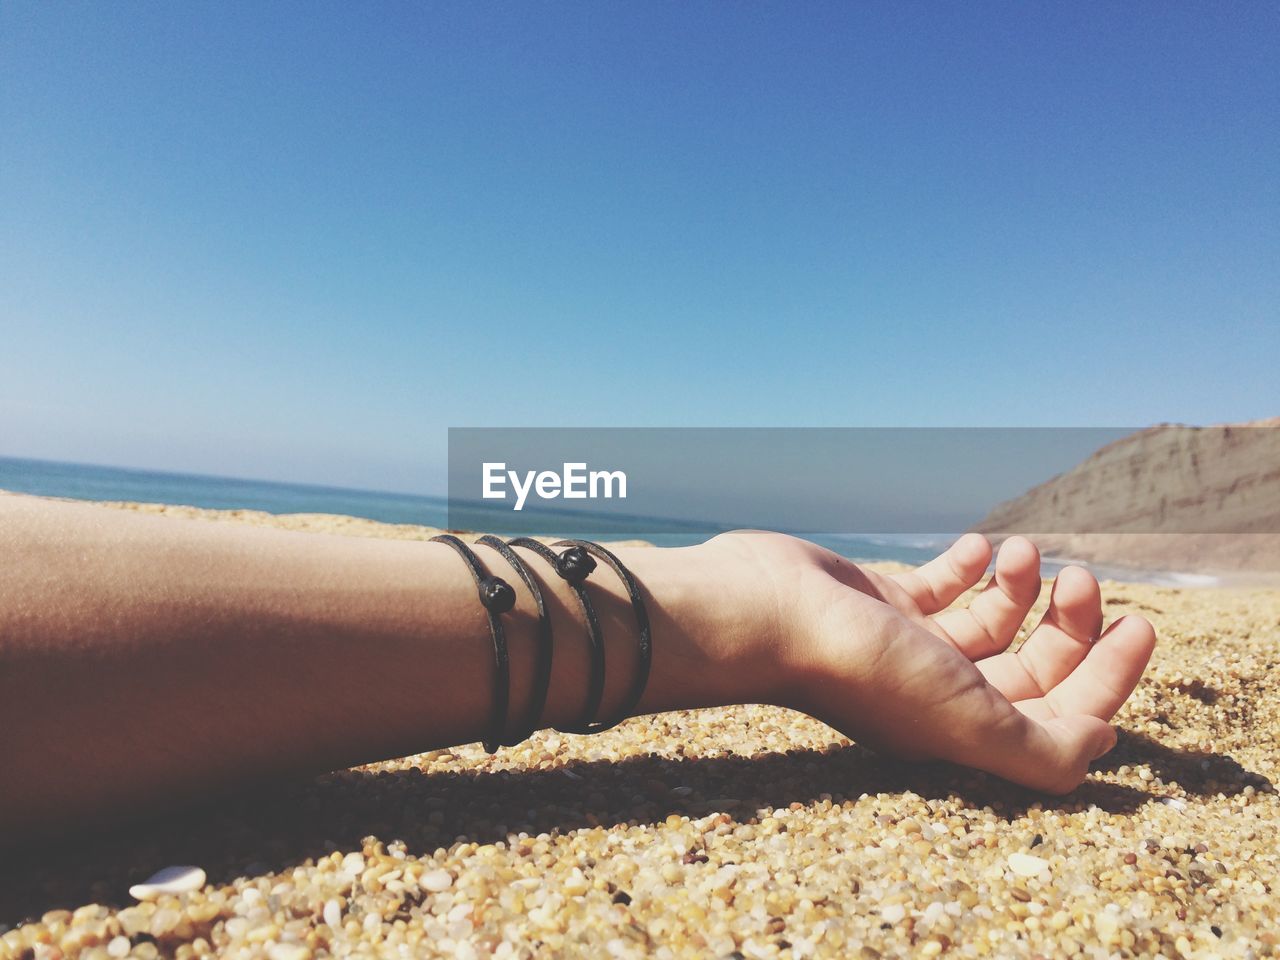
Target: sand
x=741, y=832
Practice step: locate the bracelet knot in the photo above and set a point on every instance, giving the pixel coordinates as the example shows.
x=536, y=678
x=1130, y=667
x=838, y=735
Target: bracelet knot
x=496, y=595
x=575, y=564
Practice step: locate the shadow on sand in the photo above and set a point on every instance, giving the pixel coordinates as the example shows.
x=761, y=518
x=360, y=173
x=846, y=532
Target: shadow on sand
x=271, y=828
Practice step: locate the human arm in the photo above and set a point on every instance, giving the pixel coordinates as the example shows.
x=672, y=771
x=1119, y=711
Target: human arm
x=146, y=658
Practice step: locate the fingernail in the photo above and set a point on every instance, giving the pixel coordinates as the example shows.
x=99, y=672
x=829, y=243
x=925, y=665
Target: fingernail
x=1108, y=746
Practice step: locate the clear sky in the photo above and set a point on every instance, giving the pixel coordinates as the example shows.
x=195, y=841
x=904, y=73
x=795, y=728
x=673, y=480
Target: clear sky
x=300, y=241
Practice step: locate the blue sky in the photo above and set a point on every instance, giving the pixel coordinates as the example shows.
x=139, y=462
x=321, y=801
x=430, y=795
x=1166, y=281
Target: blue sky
x=300, y=241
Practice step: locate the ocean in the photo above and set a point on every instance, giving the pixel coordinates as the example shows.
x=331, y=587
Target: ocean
x=87, y=482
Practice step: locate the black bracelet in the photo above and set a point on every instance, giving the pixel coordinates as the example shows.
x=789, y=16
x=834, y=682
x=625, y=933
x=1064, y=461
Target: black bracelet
x=645, y=642
x=496, y=596
x=545, y=643
x=574, y=567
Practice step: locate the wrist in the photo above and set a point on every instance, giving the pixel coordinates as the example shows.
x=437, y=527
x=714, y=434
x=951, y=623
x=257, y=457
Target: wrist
x=713, y=620
x=716, y=630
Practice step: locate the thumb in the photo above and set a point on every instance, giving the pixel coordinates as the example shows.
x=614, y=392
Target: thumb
x=1051, y=755
x=1081, y=739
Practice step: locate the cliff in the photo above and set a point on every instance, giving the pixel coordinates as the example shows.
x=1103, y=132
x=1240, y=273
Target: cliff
x=1171, y=497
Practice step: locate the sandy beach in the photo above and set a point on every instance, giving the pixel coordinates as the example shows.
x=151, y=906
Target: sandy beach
x=741, y=832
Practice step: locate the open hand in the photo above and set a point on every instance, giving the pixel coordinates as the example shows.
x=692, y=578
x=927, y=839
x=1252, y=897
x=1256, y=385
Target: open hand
x=890, y=662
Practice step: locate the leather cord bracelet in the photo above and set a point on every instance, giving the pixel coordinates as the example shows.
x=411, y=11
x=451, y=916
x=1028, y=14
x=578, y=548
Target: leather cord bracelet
x=645, y=641
x=574, y=567
x=497, y=597
x=544, y=642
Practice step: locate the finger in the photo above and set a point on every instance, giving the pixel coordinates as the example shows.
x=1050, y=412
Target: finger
x=1057, y=645
x=934, y=586
x=1103, y=682
x=990, y=623
x=1052, y=755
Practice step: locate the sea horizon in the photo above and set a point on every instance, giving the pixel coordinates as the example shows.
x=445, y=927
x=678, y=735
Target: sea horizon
x=96, y=482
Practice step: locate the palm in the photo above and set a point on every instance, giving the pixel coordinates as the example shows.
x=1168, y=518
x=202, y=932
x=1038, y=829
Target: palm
x=945, y=683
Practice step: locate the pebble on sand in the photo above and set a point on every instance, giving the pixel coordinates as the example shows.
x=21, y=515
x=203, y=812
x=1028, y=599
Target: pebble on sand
x=333, y=914
x=169, y=880
x=434, y=881
x=1026, y=865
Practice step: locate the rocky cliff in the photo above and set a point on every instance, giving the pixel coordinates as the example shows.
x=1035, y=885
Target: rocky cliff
x=1171, y=497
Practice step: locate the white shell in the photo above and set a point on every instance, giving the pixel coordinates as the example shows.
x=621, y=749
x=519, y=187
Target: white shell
x=168, y=880
x=1025, y=865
